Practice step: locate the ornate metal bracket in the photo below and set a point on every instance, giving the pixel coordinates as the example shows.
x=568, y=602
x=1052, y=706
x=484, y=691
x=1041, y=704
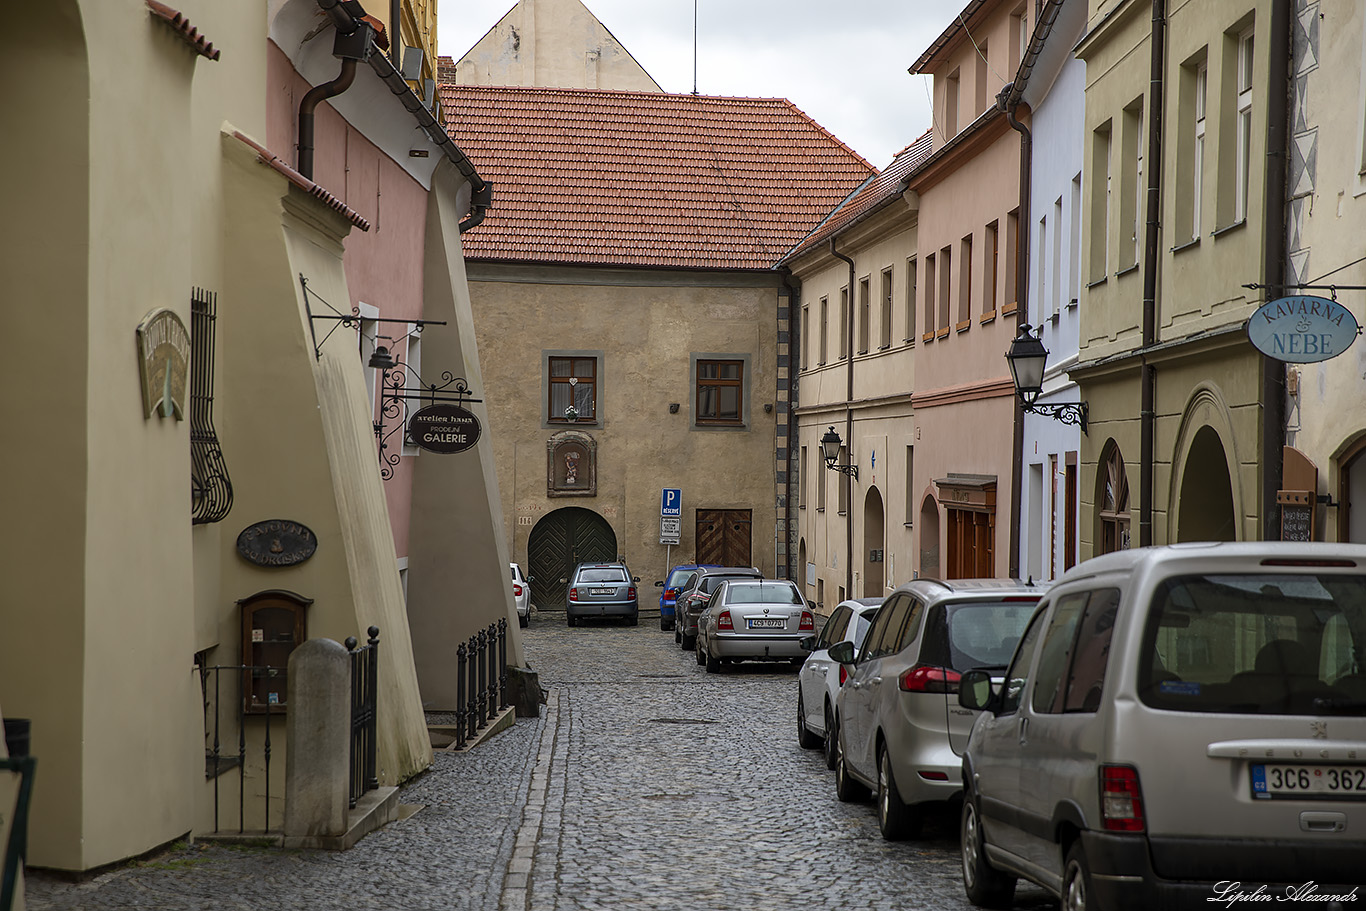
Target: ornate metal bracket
x=1066, y=412
x=396, y=393
x=350, y=320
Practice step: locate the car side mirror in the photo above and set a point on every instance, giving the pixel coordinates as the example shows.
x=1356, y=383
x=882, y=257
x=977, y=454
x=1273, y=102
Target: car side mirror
x=807, y=643
x=659, y=584
x=975, y=691
x=637, y=579
x=842, y=652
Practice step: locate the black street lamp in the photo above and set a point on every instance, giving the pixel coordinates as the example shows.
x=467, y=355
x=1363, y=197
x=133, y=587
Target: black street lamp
x=830, y=449
x=1027, y=357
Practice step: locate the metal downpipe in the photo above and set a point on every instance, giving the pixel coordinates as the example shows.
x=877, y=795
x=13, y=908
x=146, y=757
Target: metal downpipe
x=794, y=348
x=309, y=105
x=1278, y=129
x=1151, y=251
x=1021, y=317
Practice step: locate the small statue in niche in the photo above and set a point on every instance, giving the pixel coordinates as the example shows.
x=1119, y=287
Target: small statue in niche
x=571, y=467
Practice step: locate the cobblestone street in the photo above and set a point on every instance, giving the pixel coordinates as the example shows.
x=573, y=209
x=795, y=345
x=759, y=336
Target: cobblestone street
x=646, y=783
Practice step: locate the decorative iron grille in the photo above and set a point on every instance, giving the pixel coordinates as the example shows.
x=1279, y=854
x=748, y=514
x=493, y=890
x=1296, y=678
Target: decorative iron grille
x=211, y=488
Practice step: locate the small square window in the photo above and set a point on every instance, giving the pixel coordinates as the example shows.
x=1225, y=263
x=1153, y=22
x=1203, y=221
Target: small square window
x=573, y=381
x=720, y=387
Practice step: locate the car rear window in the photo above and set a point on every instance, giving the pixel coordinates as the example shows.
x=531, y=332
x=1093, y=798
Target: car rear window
x=1257, y=644
x=762, y=593
x=976, y=633
x=710, y=584
x=602, y=575
x=676, y=578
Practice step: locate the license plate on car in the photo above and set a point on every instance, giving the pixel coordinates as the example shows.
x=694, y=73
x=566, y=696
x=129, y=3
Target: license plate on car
x=602, y=591
x=1309, y=782
x=768, y=623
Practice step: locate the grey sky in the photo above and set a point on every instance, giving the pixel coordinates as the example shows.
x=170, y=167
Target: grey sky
x=843, y=62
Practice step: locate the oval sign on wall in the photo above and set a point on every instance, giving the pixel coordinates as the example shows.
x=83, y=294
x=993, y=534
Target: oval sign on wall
x=1302, y=329
x=443, y=428
x=277, y=542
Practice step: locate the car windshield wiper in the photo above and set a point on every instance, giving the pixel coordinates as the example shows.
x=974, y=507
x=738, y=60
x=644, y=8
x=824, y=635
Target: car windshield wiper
x=1340, y=704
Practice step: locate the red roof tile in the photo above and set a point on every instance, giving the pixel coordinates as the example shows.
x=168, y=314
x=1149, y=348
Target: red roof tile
x=188, y=33
x=872, y=196
x=646, y=179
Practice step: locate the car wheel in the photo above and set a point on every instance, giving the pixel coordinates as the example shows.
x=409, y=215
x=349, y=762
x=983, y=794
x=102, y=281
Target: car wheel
x=805, y=738
x=697, y=653
x=831, y=738
x=1076, y=880
x=664, y=623
x=523, y=621
x=846, y=788
x=713, y=664
x=687, y=643
x=986, y=886
x=633, y=620
x=678, y=634
x=569, y=620
x=895, y=819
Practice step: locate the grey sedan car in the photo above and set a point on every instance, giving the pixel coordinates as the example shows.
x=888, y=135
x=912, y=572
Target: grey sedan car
x=693, y=597
x=758, y=619
x=602, y=590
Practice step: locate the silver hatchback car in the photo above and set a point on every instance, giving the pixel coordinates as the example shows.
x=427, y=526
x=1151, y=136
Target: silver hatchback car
x=1180, y=725
x=898, y=726
x=759, y=619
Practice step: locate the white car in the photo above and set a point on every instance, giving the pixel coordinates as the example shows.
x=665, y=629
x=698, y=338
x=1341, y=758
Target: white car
x=820, y=679
x=521, y=593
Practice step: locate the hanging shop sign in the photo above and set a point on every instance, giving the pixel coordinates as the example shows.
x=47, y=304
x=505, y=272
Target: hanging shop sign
x=1302, y=329
x=163, y=363
x=277, y=542
x=443, y=428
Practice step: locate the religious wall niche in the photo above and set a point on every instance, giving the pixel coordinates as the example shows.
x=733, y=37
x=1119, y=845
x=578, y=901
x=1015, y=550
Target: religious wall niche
x=571, y=465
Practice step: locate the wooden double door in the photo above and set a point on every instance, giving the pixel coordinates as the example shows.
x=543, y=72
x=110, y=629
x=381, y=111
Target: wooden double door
x=724, y=536
x=560, y=541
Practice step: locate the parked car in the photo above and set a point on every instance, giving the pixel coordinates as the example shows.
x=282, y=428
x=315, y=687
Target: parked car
x=899, y=728
x=1190, y=717
x=754, y=619
x=668, y=598
x=692, y=599
x=820, y=679
x=521, y=595
x=602, y=590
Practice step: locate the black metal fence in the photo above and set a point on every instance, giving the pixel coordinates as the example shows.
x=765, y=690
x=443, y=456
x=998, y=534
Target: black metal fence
x=219, y=761
x=364, y=695
x=23, y=765
x=481, y=680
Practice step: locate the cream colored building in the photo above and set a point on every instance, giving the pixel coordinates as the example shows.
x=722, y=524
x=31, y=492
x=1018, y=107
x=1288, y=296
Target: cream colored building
x=206, y=446
x=856, y=360
x=1185, y=434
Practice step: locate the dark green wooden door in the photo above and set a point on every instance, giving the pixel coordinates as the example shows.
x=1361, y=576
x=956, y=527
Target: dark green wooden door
x=559, y=542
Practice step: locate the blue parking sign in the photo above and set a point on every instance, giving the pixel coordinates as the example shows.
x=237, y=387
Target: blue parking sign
x=671, y=501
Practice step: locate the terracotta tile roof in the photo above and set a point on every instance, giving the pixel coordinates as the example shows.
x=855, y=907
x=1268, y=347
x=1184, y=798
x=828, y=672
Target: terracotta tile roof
x=188, y=33
x=270, y=159
x=646, y=179
x=871, y=197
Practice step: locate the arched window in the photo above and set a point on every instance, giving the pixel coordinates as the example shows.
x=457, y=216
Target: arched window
x=1114, y=504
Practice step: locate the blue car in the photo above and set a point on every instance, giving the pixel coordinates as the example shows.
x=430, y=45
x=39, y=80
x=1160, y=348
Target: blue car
x=668, y=599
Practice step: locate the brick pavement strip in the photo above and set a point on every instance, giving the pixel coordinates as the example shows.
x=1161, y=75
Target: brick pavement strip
x=645, y=784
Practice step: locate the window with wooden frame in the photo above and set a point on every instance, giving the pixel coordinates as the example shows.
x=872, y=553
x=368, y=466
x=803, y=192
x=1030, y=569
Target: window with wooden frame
x=911, y=284
x=824, y=351
x=573, y=381
x=991, y=264
x=964, y=284
x=720, y=389
x=945, y=301
x=865, y=314
x=1114, y=504
x=806, y=338
x=930, y=291
x=885, y=327
x=1010, y=301
x=845, y=340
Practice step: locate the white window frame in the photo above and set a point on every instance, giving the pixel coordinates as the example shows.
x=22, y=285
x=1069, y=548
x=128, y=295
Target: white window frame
x=412, y=366
x=1198, y=155
x=1243, y=102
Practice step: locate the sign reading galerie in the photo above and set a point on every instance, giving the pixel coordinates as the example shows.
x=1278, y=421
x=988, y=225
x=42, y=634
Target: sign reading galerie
x=1302, y=329
x=443, y=428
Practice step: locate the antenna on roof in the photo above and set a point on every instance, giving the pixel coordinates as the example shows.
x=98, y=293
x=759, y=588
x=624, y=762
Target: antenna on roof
x=694, y=47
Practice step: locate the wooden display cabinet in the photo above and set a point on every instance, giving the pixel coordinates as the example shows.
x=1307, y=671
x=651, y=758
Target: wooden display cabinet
x=273, y=625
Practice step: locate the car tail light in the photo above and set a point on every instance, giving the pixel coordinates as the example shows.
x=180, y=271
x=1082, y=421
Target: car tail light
x=933, y=775
x=844, y=675
x=516, y=590
x=631, y=593
x=926, y=678
x=808, y=621
x=724, y=621
x=670, y=594
x=1121, y=802
x=573, y=594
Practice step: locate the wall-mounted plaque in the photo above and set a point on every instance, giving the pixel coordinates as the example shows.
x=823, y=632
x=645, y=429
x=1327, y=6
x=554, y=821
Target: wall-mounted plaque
x=571, y=469
x=443, y=428
x=163, y=363
x=277, y=542
x=1302, y=329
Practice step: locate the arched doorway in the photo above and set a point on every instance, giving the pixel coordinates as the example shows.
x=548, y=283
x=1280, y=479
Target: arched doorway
x=801, y=570
x=929, y=538
x=1206, y=492
x=874, y=553
x=559, y=542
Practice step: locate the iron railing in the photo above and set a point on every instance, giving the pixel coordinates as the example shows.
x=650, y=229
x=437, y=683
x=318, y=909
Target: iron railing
x=217, y=762
x=364, y=696
x=16, y=850
x=210, y=486
x=481, y=674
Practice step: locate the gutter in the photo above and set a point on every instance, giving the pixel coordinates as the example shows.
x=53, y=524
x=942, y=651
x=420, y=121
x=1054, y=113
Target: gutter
x=794, y=349
x=849, y=424
x=1151, y=254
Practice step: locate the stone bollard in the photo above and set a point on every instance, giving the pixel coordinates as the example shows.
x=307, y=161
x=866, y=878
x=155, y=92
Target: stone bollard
x=318, y=740
x=524, y=692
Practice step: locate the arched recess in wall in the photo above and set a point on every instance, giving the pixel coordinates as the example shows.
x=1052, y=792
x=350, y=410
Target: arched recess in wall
x=1205, y=501
x=561, y=540
x=1349, y=469
x=801, y=570
x=1112, y=501
x=874, y=544
x=929, y=538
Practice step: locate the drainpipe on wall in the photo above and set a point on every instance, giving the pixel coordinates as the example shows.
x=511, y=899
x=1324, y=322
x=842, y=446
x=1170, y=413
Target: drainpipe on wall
x=1274, y=243
x=794, y=348
x=849, y=426
x=315, y=97
x=1151, y=241
x=1021, y=313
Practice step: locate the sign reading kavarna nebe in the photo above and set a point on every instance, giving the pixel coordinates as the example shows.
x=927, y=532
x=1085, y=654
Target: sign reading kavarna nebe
x=443, y=428
x=1302, y=330
x=277, y=542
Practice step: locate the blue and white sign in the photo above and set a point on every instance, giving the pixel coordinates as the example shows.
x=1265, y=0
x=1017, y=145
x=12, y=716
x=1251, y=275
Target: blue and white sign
x=671, y=501
x=1302, y=329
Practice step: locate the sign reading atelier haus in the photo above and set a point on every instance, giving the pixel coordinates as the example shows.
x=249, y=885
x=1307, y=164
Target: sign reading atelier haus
x=1302, y=329
x=443, y=428
x=277, y=542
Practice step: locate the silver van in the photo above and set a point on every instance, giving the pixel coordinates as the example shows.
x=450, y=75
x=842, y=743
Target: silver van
x=1178, y=725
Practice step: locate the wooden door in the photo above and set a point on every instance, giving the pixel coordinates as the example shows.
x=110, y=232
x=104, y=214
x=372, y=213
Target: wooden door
x=723, y=536
x=971, y=546
x=560, y=541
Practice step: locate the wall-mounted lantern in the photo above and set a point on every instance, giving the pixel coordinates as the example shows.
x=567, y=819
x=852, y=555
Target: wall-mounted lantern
x=830, y=449
x=1027, y=357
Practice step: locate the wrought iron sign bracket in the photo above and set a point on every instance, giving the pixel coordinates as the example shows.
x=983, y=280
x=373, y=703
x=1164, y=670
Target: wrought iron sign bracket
x=396, y=393
x=1065, y=412
x=350, y=320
